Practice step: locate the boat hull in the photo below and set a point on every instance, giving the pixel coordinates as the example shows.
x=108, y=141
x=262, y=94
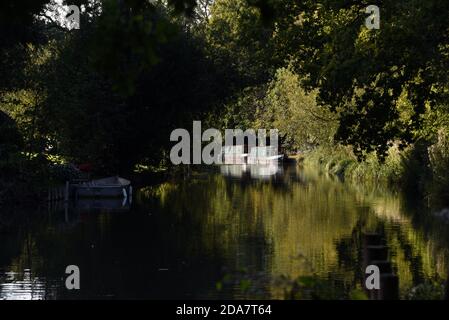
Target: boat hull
x=113, y=187
x=264, y=160
x=101, y=192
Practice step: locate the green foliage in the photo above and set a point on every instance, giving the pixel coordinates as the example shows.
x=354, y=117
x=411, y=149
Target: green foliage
x=111, y=92
x=433, y=120
x=243, y=110
x=420, y=169
x=363, y=73
x=316, y=288
x=439, y=164
x=301, y=123
x=23, y=180
x=22, y=106
x=342, y=162
x=87, y=100
x=240, y=42
x=430, y=290
x=126, y=39
x=282, y=104
x=10, y=139
x=232, y=28
x=60, y=173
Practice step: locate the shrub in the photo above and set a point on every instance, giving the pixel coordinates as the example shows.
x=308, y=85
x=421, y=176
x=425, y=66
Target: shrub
x=439, y=164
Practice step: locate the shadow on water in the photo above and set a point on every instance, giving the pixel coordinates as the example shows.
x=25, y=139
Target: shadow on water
x=232, y=232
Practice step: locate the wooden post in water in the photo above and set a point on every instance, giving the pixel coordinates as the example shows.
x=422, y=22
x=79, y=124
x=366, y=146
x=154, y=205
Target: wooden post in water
x=376, y=253
x=369, y=240
x=384, y=266
x=446, y=295
x=66, y=212
x=372, y=239
x=66, y=193
x=389, y=287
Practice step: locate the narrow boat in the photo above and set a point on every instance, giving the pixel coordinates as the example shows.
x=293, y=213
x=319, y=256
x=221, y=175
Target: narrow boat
x=111, y=187
x=101, y=204
x=264, y=155
x=265, y=171
x=234, y=155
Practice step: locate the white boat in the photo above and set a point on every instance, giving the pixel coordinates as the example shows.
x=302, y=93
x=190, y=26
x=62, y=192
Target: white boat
x=264, y=155
x=234, y=154
x=265, y=171
x=111, y=187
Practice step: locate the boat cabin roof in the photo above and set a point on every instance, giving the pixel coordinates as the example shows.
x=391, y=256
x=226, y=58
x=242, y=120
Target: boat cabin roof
x=266, y=151
x=239, y=149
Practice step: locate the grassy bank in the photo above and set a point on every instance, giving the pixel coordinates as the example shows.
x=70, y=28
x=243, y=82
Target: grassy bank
x=340, y=161
x=420, y=169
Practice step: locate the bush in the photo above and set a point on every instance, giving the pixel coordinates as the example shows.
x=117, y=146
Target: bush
x=10, y=138
x=63, y=172
x=23, y=180
x=342, y=162
x=439, y=164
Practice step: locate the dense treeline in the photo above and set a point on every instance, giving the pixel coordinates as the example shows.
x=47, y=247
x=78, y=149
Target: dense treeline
x=371, y=104
x=109, y=93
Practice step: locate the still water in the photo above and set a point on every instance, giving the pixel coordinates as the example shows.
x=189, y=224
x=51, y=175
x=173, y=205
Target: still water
x=269, y=232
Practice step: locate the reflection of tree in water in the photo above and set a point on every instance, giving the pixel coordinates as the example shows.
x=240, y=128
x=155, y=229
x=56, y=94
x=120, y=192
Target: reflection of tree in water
x=409, y=259
x=117, y=256
x=425, y=284
x=210, y=236
x=350, y=254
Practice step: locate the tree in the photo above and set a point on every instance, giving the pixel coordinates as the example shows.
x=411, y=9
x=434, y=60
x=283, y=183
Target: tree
x=10, y=138
x=363, y=73
x=238, y=39
x=301, y=123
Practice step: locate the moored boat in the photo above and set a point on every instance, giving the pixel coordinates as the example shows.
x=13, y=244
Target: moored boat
x=234, y=155
x=264, y=155
x=111, y=187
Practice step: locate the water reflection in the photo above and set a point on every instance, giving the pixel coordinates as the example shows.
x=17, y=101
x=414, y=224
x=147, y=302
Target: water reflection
x=265, y=171
x=22, y=286
x=269, y=232
x=233, y=170
x=102, y=204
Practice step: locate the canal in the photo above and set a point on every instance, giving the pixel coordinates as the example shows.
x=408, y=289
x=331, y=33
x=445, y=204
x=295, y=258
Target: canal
x=230, y=232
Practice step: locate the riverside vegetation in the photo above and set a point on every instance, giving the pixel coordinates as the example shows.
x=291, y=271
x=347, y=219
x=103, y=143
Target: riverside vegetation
x=365, y=104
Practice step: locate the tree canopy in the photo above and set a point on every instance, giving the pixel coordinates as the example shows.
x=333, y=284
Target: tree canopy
x=111, y=91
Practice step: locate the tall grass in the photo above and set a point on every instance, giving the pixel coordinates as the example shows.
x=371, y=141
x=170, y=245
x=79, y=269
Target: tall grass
x=439, y=164
x=340, y=161
x=420, y=169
